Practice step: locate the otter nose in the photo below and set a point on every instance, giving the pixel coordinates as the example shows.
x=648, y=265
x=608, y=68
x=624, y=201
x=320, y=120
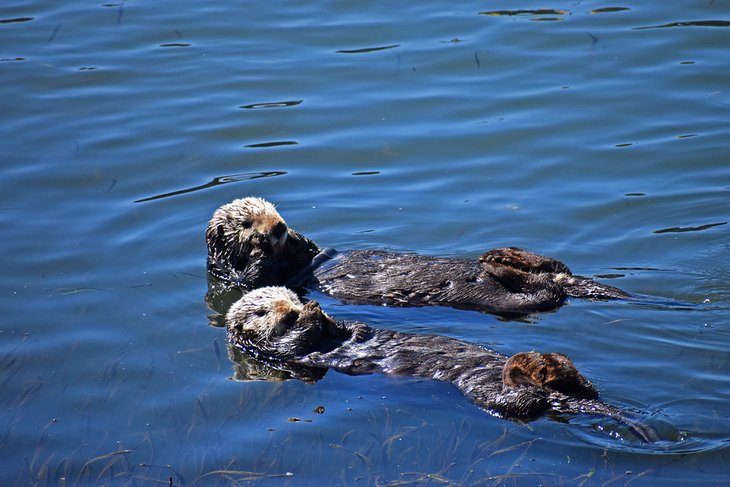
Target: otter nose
x=278, y=235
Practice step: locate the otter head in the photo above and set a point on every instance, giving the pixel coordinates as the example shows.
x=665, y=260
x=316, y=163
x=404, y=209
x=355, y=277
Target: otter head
x=551, y=371
x=264, y=313
x=245, y=224
x=272, y=320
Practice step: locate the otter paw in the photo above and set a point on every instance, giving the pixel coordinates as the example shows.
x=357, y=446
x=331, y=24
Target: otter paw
x=359, y=332
x=511, y=278
x=522, y=260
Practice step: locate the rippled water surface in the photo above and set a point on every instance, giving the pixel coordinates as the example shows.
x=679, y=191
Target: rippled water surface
x=593, y=132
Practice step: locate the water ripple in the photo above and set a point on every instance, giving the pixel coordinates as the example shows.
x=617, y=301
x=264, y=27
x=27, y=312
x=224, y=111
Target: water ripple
x=689, y=229
x=275, y=104
x=694, y=23
x=367, y=49
x=609, y=9
x=510, y=13
x=233, y=178
x=19, y=19
x=271, y=144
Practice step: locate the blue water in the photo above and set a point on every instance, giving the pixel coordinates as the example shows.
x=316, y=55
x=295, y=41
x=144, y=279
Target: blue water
x=593, y=132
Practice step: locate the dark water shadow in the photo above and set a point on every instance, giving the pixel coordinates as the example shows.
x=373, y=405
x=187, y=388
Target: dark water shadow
x=367, y=49
x=511, y=13
x=274, y=104
x=233, y=178
x=278, y=143
x=19, y=19
x=609, y=10
x=689, y=229
x=693, y=23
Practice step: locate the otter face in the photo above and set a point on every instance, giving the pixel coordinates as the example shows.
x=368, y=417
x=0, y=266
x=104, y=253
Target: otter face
x=245, y=222
x=267, y=312
x=553, y=371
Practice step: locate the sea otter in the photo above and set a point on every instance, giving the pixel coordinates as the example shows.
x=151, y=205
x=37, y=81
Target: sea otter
x=250, y=245
x=272, y=324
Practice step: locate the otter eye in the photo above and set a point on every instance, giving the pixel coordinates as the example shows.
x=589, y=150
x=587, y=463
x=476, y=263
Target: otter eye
x=246, y=224
x=260, y=312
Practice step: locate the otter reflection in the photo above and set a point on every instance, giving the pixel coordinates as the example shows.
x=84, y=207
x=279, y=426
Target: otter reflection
x=274, y=326
x=250, y=246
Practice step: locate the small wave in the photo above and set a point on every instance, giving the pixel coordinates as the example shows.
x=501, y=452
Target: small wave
x=689, y=229
x=367, y=49
x=271, y=144
x=233, y=178
x=19, y=19
x=510, y=13
x=275, y=104
x=693, y=23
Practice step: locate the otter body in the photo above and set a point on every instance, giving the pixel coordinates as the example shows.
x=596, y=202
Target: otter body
x=273, y=324
x=250, y=245
x=392, y=279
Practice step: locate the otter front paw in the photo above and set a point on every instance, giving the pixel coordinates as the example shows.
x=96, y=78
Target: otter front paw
x=522, y=261
x=359, y=332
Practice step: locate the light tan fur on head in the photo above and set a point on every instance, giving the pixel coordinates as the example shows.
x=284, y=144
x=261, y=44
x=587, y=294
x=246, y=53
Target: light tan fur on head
x=268, y=312
x=236, y=223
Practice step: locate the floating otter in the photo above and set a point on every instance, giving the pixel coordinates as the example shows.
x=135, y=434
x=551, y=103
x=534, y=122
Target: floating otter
x=250, y=245
x=272, y=324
